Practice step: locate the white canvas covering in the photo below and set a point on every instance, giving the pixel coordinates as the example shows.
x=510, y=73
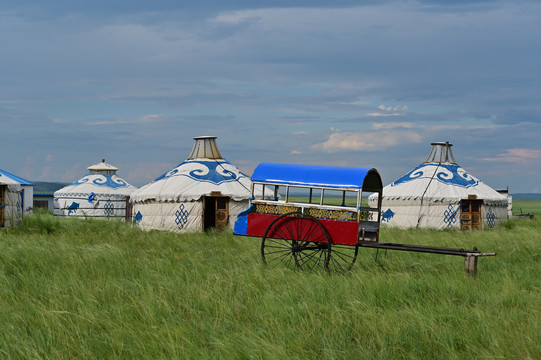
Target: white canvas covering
x=18, y=193
x=13, y=212
x=100, y=194
x=430, y=196
x=175, y=200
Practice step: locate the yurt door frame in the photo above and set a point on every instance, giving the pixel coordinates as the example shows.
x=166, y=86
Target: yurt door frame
x=215, y=212
x=470, y=214
x=2, y=203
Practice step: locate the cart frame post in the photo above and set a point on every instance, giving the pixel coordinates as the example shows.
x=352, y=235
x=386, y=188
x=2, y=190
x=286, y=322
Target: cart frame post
x=470, y=264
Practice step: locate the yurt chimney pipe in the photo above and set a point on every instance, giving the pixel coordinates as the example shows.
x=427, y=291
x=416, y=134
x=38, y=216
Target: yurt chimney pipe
x=205, y=148
x=441, y=153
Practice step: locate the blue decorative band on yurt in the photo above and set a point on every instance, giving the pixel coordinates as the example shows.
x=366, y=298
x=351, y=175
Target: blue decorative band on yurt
x=210, y=171
x=444, y=173
x=102, y=180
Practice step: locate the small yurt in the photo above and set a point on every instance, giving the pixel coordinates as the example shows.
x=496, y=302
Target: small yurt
x=203, y=192
x=440, y=194
x=100, y=194
x=15, y=198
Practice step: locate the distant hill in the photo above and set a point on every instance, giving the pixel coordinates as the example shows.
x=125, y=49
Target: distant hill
x=47, y=187
x=534, y=196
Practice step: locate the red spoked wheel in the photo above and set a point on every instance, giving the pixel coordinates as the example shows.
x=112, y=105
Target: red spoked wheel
x=296, y=240
x=301, y=241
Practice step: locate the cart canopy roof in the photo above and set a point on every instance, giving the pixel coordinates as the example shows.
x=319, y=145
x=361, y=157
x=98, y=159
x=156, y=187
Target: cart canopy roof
x=338, y=177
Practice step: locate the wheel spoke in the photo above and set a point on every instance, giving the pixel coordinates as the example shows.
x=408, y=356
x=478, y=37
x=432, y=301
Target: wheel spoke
x=301, y=240
x=342, y=257
x=313, y=259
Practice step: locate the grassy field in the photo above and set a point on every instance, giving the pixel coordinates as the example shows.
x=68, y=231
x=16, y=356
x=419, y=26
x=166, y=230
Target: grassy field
x=529, y=206
x=93, y=289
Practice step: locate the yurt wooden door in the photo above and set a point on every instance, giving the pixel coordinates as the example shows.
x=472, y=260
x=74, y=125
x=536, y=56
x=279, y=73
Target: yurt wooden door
x=2, y=204
x=470, y=214
x=216, y=212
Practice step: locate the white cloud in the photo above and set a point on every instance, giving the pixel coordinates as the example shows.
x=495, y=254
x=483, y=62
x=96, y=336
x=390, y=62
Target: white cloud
x=392, y=108
x=367, y=141
x=381, y=126
x=516, y=155
x=383, y=114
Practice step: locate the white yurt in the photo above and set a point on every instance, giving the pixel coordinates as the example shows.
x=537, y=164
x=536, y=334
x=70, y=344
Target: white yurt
x=16, y=198
x=100, y=194
x=440, y=194
x=203, y=192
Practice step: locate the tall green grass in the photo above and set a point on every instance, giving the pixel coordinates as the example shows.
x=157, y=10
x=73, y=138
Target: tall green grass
x=102, y=289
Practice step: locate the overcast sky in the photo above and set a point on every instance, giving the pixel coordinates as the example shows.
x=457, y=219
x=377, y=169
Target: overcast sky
x=310, y=82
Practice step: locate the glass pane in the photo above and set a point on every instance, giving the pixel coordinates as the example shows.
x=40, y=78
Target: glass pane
x=281, y=193
x=340, y=198
x=475, y=207
x=369, y=199
x=299, y=194
x=316, y=196
x=258, y=192
x=465, y=207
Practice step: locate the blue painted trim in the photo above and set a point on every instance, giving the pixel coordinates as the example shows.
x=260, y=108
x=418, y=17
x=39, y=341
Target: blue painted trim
x=210, y=171
x=444, y=173
x=104, y=180
x=20, y=180
x=241, y=223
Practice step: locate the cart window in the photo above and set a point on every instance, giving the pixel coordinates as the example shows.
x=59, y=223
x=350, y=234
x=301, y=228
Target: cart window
x=258, y=192
x=365, y=199
x=281, y=193
x=340, y=198
x=316, y=196
x=299, y=194
x=370, y=199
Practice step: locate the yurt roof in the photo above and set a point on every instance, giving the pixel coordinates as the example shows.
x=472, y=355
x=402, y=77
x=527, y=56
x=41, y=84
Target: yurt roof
x=202, y=174
x=440, y=179
x=7, y=178
x=102, y=180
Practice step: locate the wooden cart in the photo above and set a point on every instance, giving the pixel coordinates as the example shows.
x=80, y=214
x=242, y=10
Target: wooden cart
x=318, y=216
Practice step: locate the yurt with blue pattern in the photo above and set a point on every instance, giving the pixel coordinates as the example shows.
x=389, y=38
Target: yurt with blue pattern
x=16, y=198
x=440, y=194
x=204, y=192
x=99, y=194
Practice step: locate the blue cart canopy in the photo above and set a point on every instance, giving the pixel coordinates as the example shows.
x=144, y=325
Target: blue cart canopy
x=338, y=177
